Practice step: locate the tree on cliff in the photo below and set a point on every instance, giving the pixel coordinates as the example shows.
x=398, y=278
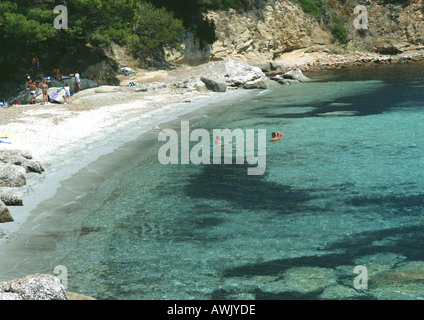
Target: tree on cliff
x=136, y=24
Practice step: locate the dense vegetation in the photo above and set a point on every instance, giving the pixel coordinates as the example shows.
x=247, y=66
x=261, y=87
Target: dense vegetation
x=136, y=24
x=144, y=27
x=314, y=7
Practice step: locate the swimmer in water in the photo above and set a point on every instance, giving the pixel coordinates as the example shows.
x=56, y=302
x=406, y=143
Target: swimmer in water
x=218, y=142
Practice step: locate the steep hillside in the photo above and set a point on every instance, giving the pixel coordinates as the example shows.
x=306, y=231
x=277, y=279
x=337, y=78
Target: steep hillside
x=266, y=30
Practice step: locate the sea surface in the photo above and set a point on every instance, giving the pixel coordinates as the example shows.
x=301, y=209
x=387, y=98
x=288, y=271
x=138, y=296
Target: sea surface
x=343, y=189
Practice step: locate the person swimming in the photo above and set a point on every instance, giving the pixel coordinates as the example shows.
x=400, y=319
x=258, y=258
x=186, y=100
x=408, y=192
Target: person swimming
x=274, y=136
x=218, y=142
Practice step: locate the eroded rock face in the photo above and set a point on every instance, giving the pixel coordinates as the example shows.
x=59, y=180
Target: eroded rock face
x=256, y=33
x=392, y=28
x=265, y=30
x=33, y=287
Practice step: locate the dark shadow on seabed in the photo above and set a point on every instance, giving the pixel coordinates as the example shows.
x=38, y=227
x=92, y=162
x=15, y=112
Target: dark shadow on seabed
x=375, y=102
x=397, y=88
x=409, y=243
x=231, y=183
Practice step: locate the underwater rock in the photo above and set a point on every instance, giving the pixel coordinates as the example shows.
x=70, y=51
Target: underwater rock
x=77, y=296
x=379, y=262
x=309, y=279
x=339, y=292
x=301, y=280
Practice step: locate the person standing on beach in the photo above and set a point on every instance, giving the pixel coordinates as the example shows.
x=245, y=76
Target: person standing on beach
x=44, y=88
x=32, y=90
x=27, y=83
x=67, y=93
x=78, y=80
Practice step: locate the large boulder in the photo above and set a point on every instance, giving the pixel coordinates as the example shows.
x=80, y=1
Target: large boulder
x=214, y=85
x=33, y=287
x=4, y=215
x=16, y=159
x=295, y=74
x=233, y=73
x=12, y=175
x=24, y=97
x=10, y=199
x=56, y=94
x=16, y=152
x=85, y=84
x=261, y=84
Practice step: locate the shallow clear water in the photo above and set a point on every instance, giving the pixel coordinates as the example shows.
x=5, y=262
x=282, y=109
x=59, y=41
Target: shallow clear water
x=343, y=188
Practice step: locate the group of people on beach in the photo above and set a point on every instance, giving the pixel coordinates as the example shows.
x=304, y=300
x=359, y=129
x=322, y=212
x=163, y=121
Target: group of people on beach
x=32, y=86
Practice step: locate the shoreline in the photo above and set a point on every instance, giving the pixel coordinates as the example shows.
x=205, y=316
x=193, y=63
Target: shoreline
x=55, y=131
x=67, y=147
x=65, y=139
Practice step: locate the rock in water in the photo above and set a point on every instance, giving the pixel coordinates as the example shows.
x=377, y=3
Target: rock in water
x=213, y=85
x=33, y=287
x=4, y=217
x=77, y=296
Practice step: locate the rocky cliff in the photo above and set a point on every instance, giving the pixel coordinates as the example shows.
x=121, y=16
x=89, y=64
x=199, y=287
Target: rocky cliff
x=268, y=30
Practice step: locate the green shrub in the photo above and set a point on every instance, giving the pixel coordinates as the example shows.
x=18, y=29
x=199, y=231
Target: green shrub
x=313, y=7
x=339, y=32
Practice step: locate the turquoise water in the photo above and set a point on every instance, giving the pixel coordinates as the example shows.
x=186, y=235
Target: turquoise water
x=343, y=188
